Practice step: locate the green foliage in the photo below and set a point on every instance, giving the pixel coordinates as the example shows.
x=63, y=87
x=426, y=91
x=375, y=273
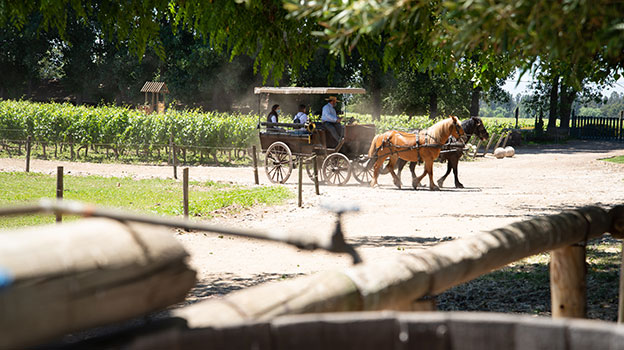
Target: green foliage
x=396, y=122
x=150, y=196
x=51, y=122
x=257, y=28
x=407, y=123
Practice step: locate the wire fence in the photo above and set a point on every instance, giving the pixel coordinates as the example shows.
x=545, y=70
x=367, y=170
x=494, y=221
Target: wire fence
x=146, y=153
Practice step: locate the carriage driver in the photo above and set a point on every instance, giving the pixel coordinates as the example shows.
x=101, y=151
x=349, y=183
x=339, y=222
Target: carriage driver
x=330, y=119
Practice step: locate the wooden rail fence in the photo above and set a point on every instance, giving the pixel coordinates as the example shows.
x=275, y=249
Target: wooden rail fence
x=598, y=128
x=396, y=283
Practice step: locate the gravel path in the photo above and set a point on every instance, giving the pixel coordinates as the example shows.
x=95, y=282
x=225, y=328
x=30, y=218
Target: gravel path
x=537, y=181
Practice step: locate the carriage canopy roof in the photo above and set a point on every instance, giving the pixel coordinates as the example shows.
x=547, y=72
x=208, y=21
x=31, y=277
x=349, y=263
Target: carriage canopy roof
x=307, y=90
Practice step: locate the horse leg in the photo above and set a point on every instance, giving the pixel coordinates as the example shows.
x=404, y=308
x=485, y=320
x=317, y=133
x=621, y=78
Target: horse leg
x=454, y=161
x=376, y=167
x=429, y=170
x=416, y=180
x=400, y=165
x=415, y=183
x=395, y=178
x=448, y=171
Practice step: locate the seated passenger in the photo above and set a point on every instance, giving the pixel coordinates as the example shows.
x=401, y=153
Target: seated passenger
x=330, y=119
x=301, y=117
x=272, y=117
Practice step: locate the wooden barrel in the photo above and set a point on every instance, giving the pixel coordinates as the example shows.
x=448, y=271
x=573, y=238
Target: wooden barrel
x=390, y=330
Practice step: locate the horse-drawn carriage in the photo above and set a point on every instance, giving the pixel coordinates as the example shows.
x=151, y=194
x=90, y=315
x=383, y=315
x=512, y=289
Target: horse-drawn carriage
x=285, y=143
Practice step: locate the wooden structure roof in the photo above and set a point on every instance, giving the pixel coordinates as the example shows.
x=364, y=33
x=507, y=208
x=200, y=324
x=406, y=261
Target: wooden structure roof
x=307, y=90
x=156, y=87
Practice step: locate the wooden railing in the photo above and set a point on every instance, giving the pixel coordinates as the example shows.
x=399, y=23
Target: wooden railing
x=396, y=283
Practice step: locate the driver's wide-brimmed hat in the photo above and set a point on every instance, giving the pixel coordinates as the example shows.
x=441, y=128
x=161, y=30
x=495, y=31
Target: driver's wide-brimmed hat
x=332, y=98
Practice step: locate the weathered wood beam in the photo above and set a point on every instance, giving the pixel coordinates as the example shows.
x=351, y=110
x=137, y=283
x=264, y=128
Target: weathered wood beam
x=69, y=277
x=396, y=283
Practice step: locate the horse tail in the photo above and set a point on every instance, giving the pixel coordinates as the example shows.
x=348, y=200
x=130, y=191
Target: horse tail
x=372, y=151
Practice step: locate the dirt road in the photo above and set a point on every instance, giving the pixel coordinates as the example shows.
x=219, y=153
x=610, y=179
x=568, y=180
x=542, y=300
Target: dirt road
x=537, y=181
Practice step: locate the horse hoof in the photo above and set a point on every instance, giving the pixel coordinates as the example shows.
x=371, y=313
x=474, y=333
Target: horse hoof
x=435, y=188
x=440, y=183
x=458, y=185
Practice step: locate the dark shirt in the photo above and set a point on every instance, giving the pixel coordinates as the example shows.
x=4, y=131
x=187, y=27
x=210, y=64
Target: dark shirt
x=272, y=113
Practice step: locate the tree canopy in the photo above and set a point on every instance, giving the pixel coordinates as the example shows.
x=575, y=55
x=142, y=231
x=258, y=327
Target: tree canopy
x=581, y=34
x=467, y=41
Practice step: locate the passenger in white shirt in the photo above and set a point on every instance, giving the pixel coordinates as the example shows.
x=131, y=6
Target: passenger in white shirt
x=301, y=117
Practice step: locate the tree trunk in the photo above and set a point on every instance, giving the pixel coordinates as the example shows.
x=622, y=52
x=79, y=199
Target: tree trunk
x=567, y=96
x=474, y=102
x=433, y=105
x=552, y=113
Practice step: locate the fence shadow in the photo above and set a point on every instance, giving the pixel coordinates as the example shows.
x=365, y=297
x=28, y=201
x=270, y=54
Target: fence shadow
x=396, y=241
x=572, y=146
x=225, y=283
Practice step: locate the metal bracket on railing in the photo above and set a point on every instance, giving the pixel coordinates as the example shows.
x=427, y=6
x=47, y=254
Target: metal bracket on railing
x=338, y=241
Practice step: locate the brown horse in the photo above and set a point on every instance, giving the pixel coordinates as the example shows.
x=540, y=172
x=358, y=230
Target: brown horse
x=425, y=145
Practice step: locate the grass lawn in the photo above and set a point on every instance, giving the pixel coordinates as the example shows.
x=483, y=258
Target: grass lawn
x=152, y=196
x=618, y=159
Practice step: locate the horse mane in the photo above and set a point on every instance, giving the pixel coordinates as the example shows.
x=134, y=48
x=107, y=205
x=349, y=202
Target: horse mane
x=438, y=128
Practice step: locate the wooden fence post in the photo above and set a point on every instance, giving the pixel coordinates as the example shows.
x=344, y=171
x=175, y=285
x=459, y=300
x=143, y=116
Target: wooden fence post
x=506, y=139
x=568, y=291
x=59, y=190
x=28, y=140
x=621, y=291
x=185, y=192
x=172, y=146
x=316, y=181
x=489, y=143
x=499, y=140
x=255, y=164
x=300, y=186
x=620, y=131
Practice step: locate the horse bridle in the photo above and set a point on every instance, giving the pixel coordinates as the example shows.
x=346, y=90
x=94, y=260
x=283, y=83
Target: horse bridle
x=458, y=128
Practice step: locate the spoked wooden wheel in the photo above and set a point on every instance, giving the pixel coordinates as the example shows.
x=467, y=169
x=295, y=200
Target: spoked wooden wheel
x=278, y=162
x=309, y=167
x=336, y=169
x=363, y=170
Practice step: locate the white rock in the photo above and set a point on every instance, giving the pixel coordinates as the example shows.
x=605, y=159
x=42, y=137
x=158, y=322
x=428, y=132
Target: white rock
x=499, y=153
x=509, y=151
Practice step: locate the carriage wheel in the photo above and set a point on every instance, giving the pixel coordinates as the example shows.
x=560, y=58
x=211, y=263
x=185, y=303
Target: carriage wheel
x=363, y=170
x=278, y=162
x=309, y=167
x=336, y=169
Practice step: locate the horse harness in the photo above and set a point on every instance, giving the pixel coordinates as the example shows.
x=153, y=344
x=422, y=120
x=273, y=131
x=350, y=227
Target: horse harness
x=416, y=146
